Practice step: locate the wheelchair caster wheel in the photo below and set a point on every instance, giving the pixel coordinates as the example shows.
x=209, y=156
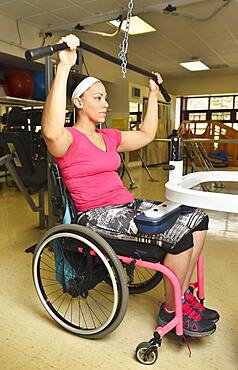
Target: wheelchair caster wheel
x=146, y=353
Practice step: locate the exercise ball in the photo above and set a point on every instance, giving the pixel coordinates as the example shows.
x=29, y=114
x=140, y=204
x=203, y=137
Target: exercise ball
x=39, y=92
x=19, y=84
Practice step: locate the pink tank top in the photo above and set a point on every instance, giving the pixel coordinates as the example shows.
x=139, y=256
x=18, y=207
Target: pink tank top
x=89, y=172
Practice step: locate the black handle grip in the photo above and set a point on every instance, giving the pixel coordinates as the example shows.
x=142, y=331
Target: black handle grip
x=168, y=167
x=38, y=53
x=163, y=91
x=165, y=94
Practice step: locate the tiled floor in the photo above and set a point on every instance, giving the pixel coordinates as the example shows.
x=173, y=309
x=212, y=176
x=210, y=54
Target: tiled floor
x=31, y=340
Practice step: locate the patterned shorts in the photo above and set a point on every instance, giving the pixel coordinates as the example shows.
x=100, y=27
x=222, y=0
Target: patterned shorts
x=117, y=222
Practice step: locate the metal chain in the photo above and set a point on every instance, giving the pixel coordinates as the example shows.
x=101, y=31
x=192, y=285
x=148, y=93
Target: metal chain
x=122, y=55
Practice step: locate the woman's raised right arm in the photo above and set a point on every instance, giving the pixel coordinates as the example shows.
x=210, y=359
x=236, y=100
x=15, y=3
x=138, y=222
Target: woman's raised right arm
x=57, y=138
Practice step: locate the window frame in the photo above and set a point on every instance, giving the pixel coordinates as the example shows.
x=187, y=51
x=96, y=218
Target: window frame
x=233, y=111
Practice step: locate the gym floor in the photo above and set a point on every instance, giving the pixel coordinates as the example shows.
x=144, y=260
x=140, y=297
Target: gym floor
x=31, y=340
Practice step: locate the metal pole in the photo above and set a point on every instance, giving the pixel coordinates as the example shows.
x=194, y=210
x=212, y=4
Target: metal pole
x=48, y=80
x=175, y=149
x=145, y=167
x=132, y=182
x=197, y=140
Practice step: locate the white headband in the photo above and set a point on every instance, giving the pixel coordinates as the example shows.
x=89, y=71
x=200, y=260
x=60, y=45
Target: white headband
x=83, y=86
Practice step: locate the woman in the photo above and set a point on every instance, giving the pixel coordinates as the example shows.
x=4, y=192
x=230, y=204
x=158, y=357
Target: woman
x=88, y=159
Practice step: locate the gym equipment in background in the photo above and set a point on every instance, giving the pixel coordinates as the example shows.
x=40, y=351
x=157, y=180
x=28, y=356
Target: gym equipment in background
x=39, y=92
x=181, y=188
x=19, y=84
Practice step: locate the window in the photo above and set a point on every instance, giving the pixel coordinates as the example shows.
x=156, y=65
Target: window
x=135, y=115
x=135, y=107
x=197, y=127
x=221, y=102
x=235, y=126
x=177, y=112
x=206, y=108
x=197, y=116
x=197, y=103
x=221, y=116
x=236, y=102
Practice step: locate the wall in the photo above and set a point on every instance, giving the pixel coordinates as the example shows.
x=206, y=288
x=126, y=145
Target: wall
x=227, y=84
x=8, y=32
x=143, y=92
x=118, y=102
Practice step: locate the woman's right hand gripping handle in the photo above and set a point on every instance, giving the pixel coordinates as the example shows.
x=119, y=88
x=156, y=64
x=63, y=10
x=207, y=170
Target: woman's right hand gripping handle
x=57, y=138
x=69, y=56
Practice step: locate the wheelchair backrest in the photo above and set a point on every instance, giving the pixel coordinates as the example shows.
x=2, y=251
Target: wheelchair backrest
x=62, y=199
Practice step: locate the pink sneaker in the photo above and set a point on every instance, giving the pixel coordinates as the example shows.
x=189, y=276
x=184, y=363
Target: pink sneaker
x=193, y=324
x=206, y=313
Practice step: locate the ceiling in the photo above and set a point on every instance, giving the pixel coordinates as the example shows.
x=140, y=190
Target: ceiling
x=201, y=29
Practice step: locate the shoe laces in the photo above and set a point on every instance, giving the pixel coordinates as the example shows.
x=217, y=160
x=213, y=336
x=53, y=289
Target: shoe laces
x=194, y=302
x=189, y=311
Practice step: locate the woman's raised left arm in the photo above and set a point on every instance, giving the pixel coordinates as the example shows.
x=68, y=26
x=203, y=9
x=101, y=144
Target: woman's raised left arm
x=132, y=140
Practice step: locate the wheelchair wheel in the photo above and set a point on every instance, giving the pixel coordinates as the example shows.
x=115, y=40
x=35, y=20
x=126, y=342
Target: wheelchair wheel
x=144, y=280
x=80, y=281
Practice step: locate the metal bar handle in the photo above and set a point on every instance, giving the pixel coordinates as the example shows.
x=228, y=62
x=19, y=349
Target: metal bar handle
x=38, y=53
x=34, y=54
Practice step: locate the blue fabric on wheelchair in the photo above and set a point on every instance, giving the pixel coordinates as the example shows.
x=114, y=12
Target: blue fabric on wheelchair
x=67, y=216
x=64, y=269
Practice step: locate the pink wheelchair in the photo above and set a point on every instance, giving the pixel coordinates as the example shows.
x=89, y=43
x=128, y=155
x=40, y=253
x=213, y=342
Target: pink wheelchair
x=83, y=280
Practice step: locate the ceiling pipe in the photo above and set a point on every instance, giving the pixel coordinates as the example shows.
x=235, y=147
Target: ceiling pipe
x=115, y=14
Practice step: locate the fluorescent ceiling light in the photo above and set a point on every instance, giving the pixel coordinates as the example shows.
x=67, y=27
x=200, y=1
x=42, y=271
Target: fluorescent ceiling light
x=195, y=66
x=137, y=25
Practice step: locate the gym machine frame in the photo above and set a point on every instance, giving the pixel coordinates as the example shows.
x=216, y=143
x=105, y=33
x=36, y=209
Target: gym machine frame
x=7, y=160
